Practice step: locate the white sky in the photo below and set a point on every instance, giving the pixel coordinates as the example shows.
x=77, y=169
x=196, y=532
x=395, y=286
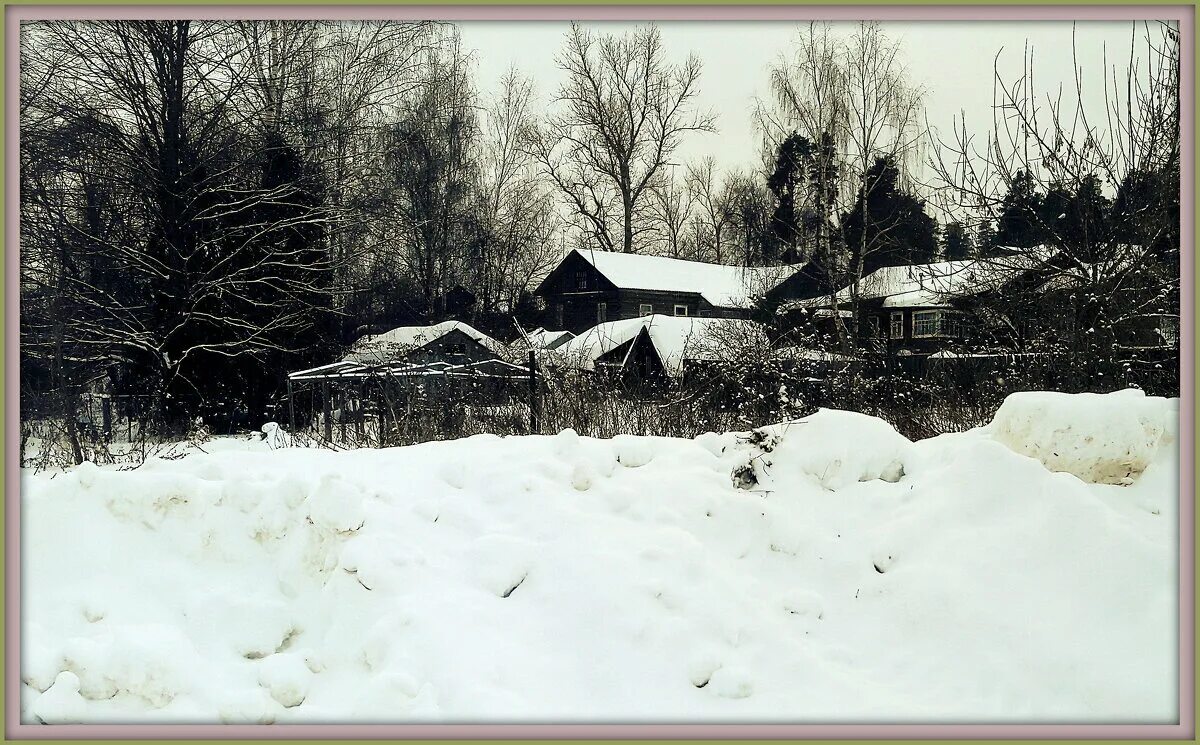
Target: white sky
x=953, y=60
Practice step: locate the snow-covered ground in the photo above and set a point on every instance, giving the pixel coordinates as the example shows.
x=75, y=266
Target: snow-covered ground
x=821, y=570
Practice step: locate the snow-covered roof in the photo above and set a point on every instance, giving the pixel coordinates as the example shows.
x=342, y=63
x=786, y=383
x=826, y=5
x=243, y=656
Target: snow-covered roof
x=378, y=347
x=812, y=355
x=721, y=285
x=935, y=284
x=349, y=369
x=675, y=338
x=546, y=339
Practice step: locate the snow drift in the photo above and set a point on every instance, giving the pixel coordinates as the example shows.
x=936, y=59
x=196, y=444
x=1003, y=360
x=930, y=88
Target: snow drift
x=1101, y=438
x=820, y=570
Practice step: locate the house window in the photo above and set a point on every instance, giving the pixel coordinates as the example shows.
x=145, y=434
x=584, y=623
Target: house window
x=875, y=327
x=681, y=310
x=926, y=323
x=581, y=280
x=601, y=312
x=645, y=309
x=558, y=315
x=456, y=350
x=951, y=325
x=897, y=321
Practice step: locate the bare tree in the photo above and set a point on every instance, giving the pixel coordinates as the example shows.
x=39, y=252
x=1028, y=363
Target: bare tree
x=521, y=219
x=621, y=114
x=432, y=175
x=173, y=248
x=714, y=214
x=670, y=214
x=1115, y=260
x=854, y=94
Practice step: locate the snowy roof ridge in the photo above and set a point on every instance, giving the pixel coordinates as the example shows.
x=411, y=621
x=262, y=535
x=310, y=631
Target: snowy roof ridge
x=675, y=338
x=413, y=337
x=935, y=283
x=721, y=285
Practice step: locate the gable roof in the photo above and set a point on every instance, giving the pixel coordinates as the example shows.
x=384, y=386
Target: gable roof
x=721, y=285
x=402, y=339
x=547, y=339
x=675, y=338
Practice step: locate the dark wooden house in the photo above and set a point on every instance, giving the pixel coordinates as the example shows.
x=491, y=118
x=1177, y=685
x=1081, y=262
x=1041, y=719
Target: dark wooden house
x=917, y=309
x=592, y=287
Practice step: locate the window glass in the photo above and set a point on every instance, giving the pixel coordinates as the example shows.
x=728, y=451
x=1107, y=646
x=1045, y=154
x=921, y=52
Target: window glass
x=926, y=323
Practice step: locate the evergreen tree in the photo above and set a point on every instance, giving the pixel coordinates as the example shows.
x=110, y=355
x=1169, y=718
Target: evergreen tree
x=897, y=229
x=791, y=164
x=956, y=242
x=1018, y=224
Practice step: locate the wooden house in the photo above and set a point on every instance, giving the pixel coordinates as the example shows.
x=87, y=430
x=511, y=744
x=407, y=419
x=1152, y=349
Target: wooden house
x=594, y=287
x=917, y=309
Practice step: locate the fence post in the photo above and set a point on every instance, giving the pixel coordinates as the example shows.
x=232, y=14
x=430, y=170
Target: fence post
x=291, y=407
x=534, y=399
x=106, y=417
x=327, y=407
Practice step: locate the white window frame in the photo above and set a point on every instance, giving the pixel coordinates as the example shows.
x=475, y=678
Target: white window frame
x=923, y=316
x=601, y=312
x=896, y=324
x=684, y=308
x=645, y=309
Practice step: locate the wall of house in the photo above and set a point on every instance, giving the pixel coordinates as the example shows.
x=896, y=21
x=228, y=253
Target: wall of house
x=572, y=303
x=914, y=344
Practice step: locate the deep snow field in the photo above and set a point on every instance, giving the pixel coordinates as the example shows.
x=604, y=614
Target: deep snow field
x=825, y=569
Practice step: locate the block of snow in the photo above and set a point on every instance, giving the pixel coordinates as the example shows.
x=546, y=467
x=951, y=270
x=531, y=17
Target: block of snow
x=837, y=448
x=1107, y=438
x=61, y=703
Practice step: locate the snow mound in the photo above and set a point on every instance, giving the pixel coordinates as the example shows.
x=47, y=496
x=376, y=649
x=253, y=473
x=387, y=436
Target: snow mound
x=854, y=576
x=836, y=448
x=1108, y=438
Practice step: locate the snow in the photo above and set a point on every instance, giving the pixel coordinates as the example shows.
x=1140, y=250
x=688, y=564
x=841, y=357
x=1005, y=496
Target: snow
x=547, y=339
x=825, y=569
x=376, y=347
x=676, y=339
x=721, y=285
x=1099, y=438
x=936, y=284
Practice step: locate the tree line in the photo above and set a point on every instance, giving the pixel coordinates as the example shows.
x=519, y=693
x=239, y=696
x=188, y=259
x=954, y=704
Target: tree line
x=208, y=204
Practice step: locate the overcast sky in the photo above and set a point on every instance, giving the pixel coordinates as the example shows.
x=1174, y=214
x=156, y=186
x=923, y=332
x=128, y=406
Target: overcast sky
x=952, y=60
